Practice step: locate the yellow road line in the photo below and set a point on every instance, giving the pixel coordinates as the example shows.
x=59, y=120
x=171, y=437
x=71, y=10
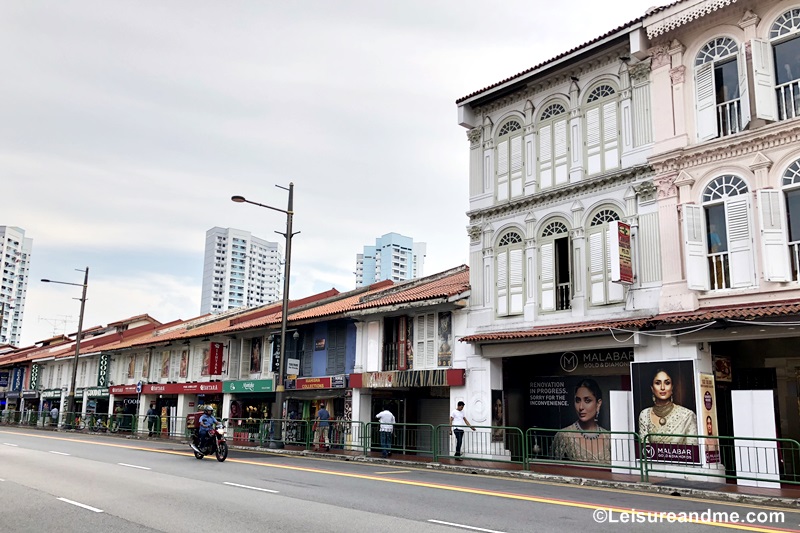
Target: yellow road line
x=394, y=472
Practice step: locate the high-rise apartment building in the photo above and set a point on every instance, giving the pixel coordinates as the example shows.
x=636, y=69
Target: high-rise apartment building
x=15, y=254
x=393, y=257
x=239, y=270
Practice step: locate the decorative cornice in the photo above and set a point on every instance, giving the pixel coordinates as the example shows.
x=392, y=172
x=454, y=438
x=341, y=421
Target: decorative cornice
x=582, y=189
x=748, y=19
x=685, y=16
x=727, y=148
x=760, y=161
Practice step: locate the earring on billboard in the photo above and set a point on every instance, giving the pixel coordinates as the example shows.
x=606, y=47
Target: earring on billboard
x=654, y=398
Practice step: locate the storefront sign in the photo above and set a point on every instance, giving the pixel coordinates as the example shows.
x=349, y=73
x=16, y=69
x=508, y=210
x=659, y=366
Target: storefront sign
x=276, y=353
x=97, y=392
x=17, y=378
x=103, y=370
x=12, y=394
x=248, y=386
x=292, y=366
x=620, y=252
x=51, y=393
x=30, y=394
x=122, y=390
x=4, y=379
x=319, y=345
x=182, y=388
x=450, y=377
x=327, y=382
x=708, y=417
x=215, y=369
x=35, y=376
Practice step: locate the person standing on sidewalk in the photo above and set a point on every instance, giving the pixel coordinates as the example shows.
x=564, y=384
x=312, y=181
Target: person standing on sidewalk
x=387, y=420
x=458, y=421
x=321, y=426
x=152, y=420
x=54, y=415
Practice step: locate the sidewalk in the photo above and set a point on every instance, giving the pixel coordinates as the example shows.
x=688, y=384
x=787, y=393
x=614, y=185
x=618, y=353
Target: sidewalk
x=787, y=496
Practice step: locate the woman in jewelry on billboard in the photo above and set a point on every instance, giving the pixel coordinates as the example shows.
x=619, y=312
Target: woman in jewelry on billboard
x=666, y=416
x=584, y=440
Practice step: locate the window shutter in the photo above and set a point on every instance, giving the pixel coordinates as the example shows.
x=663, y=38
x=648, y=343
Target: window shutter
x=308, y=355
x=744, y=90
x=610, y=136
x=244, y=361
x=502, y=171
x=515, y=281
x=546, y=156
x=593, y=165
x=597, y=268
x=774, y=251
x=548, y=277
x=560, y=152
x=502, y=283
x=764, y=80
x=430, y=341
x=694, y=235
x=706, y=103
x=419, y=338
x=740, y=242
x=516, y=166
x=615, y=291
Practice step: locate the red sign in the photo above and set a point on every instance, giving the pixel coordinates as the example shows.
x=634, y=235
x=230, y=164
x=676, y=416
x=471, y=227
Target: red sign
x=182, y=388
x=313, y=383
x=620, y=252
x=122, y=390
x=215, y=366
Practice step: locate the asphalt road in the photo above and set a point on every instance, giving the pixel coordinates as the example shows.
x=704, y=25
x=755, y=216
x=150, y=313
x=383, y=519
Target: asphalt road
x=68, y=482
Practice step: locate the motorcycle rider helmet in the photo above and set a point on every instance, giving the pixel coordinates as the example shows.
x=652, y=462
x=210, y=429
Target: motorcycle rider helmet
x=208, y=409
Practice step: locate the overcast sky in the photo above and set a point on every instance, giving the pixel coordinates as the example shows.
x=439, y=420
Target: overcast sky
x=127, y=126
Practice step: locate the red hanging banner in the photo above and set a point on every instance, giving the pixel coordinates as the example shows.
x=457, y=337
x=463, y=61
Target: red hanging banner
x=215, y=364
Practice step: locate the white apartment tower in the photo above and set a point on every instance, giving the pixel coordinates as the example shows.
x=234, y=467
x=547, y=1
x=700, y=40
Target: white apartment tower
x=393, y=257
x=15, y=253
x=239, y=270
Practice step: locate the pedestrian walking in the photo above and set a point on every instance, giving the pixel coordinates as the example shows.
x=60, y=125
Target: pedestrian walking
x=54, y=416
x=321, y=426
x=152, y=420
x=458, y=421
x=387, y=420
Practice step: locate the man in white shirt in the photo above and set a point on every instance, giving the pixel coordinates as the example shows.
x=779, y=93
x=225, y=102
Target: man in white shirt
x=458, y=421
x=386, y=418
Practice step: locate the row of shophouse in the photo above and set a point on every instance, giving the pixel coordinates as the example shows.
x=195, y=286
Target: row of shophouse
x=635, y=199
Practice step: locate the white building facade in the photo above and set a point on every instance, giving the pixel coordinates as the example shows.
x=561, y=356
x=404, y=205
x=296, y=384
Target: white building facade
x=239, y=270
x=15, y=254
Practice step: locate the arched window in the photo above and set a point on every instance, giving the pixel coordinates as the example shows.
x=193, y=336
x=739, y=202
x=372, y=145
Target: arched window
x=780, y=227
x=509, y=274
x=601, y=289
x=554, y=266
x=602, y=129
x=723, y=104
x=718, y=237
x=784, y=36
x=509, y=160
x=553, y=146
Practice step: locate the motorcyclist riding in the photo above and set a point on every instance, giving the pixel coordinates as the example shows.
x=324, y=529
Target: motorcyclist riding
x=207, y=421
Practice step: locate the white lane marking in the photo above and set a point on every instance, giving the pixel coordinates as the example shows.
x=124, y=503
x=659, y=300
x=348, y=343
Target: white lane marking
x=9, y=444
x=58, y=453
x=134, y=466
x=249, y=487
x=465, y=527
x=93, y=509
x=394, y=472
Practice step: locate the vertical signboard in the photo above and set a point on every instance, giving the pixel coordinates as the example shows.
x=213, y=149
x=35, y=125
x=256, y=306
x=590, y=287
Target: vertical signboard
x=276, y=353
x=620, y=252
x=17, y=379
x=102, y=370
x=215, y=367
x=708, y=417
x=34, y=377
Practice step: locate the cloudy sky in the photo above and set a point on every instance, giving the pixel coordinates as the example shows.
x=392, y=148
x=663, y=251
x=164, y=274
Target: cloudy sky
x=127, y=126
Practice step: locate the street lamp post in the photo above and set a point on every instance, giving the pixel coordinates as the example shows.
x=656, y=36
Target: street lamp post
x=71, y=393
x=277, y=442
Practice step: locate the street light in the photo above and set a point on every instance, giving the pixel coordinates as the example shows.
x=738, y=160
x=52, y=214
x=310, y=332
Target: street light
x=71, y=394
x=279, y=385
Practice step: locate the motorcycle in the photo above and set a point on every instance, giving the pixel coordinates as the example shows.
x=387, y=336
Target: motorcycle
x=215, y=443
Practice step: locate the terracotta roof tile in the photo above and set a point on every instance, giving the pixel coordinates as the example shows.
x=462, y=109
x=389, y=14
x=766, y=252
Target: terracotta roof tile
x=560, y=329
x=736, y=312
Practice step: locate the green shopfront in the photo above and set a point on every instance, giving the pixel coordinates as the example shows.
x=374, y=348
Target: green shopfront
x=246, y=403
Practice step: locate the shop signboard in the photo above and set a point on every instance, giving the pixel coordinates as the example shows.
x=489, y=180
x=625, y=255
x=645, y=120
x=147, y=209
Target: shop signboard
x=449, y=377
x=97, y=392
x=215, y=368
x=4, y=379
x=292, y=366
x=248, y=386
x=34, y=376
x=339, y=381
x=17, y=378
x=30, y=394
x=51, y=393
x=122, y=390
x=103, y=369
x=181, y=388
x=620, y=252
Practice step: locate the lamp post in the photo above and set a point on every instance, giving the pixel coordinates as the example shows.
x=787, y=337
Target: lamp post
x=279, y=382
x=71, y=393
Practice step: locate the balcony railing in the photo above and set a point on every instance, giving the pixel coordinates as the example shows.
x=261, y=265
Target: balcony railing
x=391, y=352
x=788, y=100
x=563, y=300
x=729, y=117
x=719, y=271
x=794, y=253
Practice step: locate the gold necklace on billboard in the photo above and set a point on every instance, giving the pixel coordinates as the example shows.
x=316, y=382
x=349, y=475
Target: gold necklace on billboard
x=662, y=411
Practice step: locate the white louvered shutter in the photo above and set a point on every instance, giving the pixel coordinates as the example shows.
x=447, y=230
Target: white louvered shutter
x=430, y=341
x=694, y=237
x=560, y=155
x=706, y=103
x=502, y=171
x=740, y=242
x=774, y=248
x=548, y=277
x=515, y=281
x=610, y=136
x=615, y=291
x=744, y=91
x=546, y=157
x=764, y=80
x=597, y=268
x=502, y=283
x=419, y=340
x=516, y=166
x=593, y=160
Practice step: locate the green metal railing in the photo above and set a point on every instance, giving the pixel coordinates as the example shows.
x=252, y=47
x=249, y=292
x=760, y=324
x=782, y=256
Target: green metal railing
x=502, y=444
x=405, y=439
x=597, y=449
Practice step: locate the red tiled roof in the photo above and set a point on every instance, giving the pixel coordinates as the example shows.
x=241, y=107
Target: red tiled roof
x=560, y=329
x=736, y=312
x=447, y=284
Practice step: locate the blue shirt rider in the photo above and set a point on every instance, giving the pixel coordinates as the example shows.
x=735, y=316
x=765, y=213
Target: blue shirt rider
x=207, y=422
